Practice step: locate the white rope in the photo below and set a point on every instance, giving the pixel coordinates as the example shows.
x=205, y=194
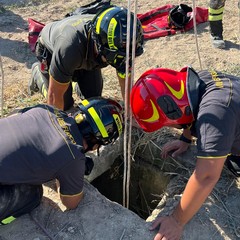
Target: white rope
x=128, y=113
x=2, y=84
x=195, y=33
x=239, y=22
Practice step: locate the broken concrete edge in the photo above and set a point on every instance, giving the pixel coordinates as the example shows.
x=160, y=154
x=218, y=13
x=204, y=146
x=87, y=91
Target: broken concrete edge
x=96, y=217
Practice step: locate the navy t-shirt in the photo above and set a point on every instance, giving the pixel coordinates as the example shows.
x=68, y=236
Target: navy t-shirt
x=41, y=144
x=217, y=125
x=69, y=40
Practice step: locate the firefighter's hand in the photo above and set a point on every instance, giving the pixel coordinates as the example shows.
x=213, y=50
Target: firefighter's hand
x=176, y=147
x=169, y=228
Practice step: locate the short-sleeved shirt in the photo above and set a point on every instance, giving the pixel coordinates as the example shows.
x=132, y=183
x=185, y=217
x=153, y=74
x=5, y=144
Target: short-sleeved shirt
x=41, y=144
x=69, y=40
x=217, y=125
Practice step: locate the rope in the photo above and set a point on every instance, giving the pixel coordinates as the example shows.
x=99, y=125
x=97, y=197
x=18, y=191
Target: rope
x=195, y=33
x=2, y=84
x=128, y=113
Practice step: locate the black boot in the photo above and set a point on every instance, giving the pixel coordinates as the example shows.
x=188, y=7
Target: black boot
x=216, y=30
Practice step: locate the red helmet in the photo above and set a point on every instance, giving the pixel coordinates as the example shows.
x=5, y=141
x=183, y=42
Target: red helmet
x=159, y=98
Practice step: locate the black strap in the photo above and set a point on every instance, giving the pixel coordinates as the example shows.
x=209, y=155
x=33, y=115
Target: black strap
x=184, y=139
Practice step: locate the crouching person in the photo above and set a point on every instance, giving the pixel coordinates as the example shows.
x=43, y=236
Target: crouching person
x=42, y=143
x=205, y=105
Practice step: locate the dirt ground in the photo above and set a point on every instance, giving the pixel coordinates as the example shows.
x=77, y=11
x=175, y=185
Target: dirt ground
x=173, y=52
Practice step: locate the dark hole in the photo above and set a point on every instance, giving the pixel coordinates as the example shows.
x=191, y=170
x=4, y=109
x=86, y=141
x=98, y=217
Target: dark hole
x=147, y=183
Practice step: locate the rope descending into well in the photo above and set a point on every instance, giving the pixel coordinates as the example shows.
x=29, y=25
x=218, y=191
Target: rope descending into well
x=128, y=113
x=195, y=33
x=2, y=84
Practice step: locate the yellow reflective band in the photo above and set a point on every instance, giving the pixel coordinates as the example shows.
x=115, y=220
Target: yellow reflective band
x=100, y=19
x=178, y=94
x=98, y=122
x=118, y=123
x=8, y=220
x=44, y=91
x=123, y=75
x=215, y=11
x=85, y=102
x=79, y=118
x=155, y=115
x=215, y=18
x=111, y=30
x=215, y=14
x=74, y=86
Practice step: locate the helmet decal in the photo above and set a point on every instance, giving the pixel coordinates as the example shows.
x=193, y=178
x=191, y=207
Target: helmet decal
x=96, y=119
x=98, y=122
x=111, y=33
x=100, y=19
x=155, y=115
x=118, y=123
x=178, y=94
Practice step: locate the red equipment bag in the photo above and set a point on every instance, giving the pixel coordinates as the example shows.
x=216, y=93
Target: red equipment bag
x=155, y=22
x=34, y=28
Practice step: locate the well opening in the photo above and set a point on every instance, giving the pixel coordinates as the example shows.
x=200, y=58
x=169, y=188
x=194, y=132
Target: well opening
x=147, y=183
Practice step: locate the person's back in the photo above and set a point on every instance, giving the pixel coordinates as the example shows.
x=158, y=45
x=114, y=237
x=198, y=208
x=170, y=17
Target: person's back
x=218, y=113
x=42, y=143
x=68, y=26
x=38, y=143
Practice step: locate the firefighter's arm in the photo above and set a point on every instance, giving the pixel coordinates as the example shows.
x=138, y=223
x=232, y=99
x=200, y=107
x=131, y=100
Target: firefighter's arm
x=56, y=92
x=198, y=188
x=69, y=201
x=122, y=82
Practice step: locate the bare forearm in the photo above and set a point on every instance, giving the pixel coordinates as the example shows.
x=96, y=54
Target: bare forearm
x=122, y=84
x=56, y=93
x=193, y=197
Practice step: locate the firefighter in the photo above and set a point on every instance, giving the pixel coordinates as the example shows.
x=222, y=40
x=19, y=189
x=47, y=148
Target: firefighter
x=205, y=105
x=215, y=17
x=75, y=49
x=42, y=143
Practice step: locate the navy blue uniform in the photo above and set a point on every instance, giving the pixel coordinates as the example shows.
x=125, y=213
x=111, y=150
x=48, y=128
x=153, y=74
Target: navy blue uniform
x=216, y=107
x=38, y=145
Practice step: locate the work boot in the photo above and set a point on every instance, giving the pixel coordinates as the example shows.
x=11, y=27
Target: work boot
x=32, y=85
x=216, y=30
x=218, y=42
x=38, y=81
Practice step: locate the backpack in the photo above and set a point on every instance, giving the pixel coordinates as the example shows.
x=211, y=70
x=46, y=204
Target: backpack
x=35, y=27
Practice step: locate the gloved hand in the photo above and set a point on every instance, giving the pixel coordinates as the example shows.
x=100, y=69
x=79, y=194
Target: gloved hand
x=88, y=165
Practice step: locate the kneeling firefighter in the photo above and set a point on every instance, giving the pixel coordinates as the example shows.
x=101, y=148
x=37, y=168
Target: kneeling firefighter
x=42, y=143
